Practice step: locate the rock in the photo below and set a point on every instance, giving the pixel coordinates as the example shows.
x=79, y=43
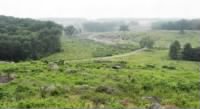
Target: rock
x=53, y=66
x=169, y=107
x=116, y=67
x=155, y=106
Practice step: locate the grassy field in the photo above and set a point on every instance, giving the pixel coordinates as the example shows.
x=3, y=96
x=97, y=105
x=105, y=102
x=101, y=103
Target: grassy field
x=75, y=48
x=125, y=82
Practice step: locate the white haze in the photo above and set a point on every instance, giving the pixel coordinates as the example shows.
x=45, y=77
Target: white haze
x=93, y=9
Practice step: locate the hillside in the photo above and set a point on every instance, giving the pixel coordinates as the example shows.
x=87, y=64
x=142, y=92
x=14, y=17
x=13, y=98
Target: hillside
x=125, y=81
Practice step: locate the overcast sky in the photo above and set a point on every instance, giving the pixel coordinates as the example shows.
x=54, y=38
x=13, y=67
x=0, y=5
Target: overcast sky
x=93, y=9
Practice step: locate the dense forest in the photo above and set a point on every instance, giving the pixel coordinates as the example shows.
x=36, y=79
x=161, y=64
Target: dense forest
x=22, y=39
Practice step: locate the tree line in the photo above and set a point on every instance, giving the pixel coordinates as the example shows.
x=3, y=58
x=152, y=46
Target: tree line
x=187, y=53
x=178, y=25
x=22, y=39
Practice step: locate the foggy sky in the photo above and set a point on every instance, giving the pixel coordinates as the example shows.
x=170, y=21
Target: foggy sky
x=93, y=9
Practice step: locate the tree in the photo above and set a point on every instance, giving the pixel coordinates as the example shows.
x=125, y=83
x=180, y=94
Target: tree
x=70, y=30
x=182, y=26
x=175, y=48
x=195, y=54
x=187, y=51
x=22, y=39
x=146, y=42
x=124, y=28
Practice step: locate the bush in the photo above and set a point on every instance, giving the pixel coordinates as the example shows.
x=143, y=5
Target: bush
x=3, y=94
x=52, y=90
x=105, y=89
x=99, y=99
x=169, y=67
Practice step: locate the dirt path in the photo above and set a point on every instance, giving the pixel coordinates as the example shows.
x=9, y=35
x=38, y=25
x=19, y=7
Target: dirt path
x=109, y=57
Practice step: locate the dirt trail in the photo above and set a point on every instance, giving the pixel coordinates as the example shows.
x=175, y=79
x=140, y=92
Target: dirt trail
x=109, y=57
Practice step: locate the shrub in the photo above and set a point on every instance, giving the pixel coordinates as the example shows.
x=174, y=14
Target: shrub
x=169, y=67
x=150, y=66
x=52, y=90
x=105, y=89
x=99, y=99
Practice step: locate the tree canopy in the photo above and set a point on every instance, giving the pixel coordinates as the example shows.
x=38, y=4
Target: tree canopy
x=175, y=49
x=187, y=53
x=22, y=39
x=146, y=42
x=70, y=30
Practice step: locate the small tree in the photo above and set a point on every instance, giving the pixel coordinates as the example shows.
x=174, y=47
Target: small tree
x=146, y=42
x=187, y=51
x=70, y=30
x=124, y=28
x=175, y=48
x=182, y=26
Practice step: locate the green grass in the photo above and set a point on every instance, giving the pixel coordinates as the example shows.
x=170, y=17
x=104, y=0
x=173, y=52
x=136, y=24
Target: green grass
x=90, y=84
x=75, y=84
x=74, y=49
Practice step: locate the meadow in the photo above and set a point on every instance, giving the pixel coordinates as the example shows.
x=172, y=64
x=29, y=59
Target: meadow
x=132, y=81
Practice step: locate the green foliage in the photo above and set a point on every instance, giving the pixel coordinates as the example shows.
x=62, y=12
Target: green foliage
x=22, y=39
x=70, y=30
x=146, y=42
x=175, y=49
x=188, y=53
x=96, y=84
x=105, y=89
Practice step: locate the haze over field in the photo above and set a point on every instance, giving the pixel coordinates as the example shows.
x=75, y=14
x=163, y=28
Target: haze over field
x=99, y=54
x=93, y=9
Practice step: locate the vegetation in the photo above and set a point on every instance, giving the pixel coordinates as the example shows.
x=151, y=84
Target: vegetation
x=22, y=39
x=82, y=76
x=175, y=50
x=188, y=53
x=92, y=84
x=75, y=49
x=146, y=42
x=70, y=30
x=178, y=25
